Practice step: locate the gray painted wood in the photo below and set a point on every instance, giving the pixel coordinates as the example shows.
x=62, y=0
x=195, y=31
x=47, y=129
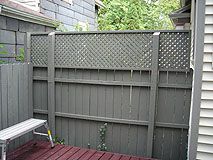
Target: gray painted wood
x=27, y=47
x=86, y=98
x=1, y=99
x=51, y=82
x=15, y=95
x=153, y=93
x=4, y=71
x=30, y=93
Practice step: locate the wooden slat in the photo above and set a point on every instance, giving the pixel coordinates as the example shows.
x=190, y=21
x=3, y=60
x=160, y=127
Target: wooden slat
x=51, y=152
x=125, y=157
x=4, y=81
x=40, y=150
x=87, y=156
x=97, y=155
x=23, y=150
x=1, y=127
x=106, y=156
x=20, y=150
x=60, y=153
x=30, y=90
x=115, y=157
x=69, y=153
x=78, y=154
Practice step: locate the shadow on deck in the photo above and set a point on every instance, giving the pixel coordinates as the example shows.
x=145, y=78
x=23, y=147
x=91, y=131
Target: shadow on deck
x=41, y=150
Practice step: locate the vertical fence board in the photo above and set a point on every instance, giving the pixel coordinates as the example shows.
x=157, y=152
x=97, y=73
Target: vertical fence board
x=141, y=141
x=175, y=148
x=93, y=110
x=86, y=94
x=1, y=127
x=117, y=112
x=26, y=88
x=30, y=91
x=10, y=97
x=23, y=115
x=15, y=98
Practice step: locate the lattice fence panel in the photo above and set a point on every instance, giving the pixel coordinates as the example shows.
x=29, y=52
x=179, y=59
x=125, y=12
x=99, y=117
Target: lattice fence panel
x=113, y=50
x=174, y=51
x=39, y=49
x=104, y=50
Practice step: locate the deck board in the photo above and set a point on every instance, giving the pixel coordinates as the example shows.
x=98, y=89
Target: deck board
x=106, y=156
x=50, y=153
x=60, y=153
x=41, y=150
x=69, y=154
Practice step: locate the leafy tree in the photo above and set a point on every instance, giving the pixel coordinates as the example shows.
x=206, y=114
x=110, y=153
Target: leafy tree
x=136, y=14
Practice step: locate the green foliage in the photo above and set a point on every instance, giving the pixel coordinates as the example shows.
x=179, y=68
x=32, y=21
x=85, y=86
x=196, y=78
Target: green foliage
x=82, y=27
x=102, y=133
x=20, y=57
x=58, y=140
x=136, y=14
x=62, y=28
x=2, y=49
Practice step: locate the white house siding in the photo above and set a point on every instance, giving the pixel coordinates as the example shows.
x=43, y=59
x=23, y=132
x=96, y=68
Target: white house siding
x=205, y=137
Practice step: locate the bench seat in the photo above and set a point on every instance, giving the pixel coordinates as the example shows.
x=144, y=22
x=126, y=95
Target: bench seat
x=20, y=129
x=15, y=131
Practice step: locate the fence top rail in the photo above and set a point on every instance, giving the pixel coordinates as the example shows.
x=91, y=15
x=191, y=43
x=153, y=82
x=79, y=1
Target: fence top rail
x=111, y=32
x=14, y=64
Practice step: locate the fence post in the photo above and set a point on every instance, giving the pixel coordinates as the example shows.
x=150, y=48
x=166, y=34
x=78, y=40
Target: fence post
x=27, y=47
x=27, y=59
x=51, y=82
x=153, y=93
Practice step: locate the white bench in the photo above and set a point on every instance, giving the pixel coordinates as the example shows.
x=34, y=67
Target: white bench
x=20, y=129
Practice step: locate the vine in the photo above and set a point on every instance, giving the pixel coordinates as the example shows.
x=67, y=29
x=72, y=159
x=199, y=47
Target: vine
x=102, y=133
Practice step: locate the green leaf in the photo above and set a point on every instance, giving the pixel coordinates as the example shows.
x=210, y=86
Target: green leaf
x=136, y=14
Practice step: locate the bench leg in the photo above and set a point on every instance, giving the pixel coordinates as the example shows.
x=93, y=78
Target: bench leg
x=49, y=134
x=3, y=152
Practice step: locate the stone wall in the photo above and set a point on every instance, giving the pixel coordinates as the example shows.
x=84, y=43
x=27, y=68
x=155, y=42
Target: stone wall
x=70, y=13
x=12, y=33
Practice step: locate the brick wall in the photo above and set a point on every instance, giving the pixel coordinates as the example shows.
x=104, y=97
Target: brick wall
x=70, y=13
x=12, y=33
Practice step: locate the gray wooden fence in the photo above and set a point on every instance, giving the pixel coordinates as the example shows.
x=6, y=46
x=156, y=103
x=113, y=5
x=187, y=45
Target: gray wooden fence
x=139, y=83
x=15, y=97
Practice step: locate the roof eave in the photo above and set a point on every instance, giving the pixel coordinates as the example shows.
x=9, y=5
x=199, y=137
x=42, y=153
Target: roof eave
x=179, y=15
x=17, y=14
x=99, y=3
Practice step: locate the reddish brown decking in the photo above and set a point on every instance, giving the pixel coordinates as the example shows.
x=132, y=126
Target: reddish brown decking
x=41, y=150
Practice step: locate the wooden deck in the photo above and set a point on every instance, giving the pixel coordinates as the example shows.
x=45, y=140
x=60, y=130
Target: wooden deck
x=41, y=150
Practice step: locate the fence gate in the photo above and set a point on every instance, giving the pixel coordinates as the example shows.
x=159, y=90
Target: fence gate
x=138, y=82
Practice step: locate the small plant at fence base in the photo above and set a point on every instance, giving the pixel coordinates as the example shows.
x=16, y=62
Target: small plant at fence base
x=102, y=133
x=58, y=140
